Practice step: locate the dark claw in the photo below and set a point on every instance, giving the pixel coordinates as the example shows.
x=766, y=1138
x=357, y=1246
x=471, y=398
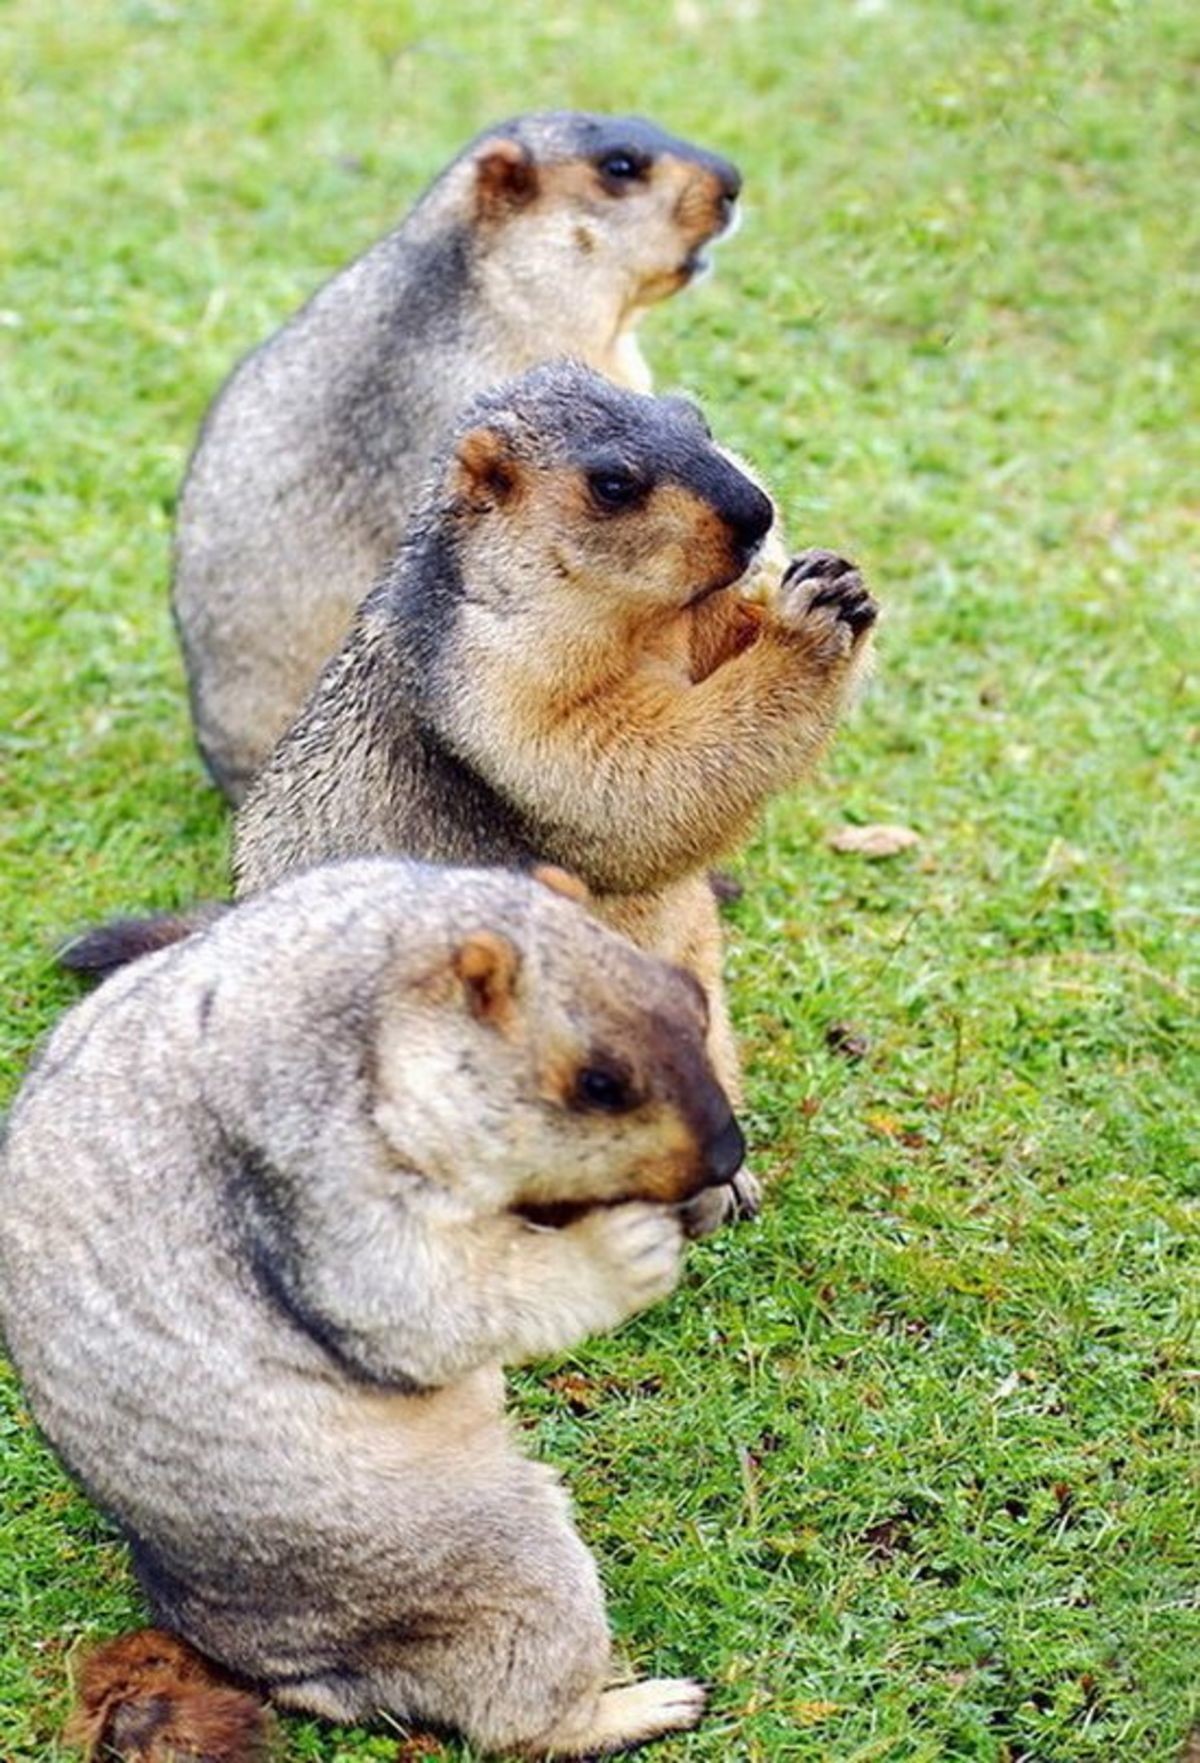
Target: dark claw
x=854, y=604
x=817, y=563
x=861, y=615
x=844, y=594
x=746, y=1203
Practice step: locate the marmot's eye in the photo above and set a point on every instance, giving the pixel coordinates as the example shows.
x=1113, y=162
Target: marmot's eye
x=606, y=1091
x=613, y=488
x=621, y=167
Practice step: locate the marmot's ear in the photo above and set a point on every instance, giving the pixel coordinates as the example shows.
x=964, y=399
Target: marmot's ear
x=488, y=474
x=505, y=178
x=487, y=966
x=561, y=881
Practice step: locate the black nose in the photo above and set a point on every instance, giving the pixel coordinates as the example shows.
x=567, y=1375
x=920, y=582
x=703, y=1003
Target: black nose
x=724, y=1155
x=730, y=180
x=753, y=518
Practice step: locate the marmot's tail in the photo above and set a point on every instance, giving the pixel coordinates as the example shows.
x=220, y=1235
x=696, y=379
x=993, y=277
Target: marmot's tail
x=94, y=954
x=148, y=1698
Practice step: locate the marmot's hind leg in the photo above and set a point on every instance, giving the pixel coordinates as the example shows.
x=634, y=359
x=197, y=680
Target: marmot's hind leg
x=628, y=1715
x=342, y=1699
x=518, y=1640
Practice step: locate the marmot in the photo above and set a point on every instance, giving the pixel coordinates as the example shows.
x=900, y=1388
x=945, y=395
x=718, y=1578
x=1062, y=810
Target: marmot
x=272, y=1211
x=554, y=670
x=550, y=234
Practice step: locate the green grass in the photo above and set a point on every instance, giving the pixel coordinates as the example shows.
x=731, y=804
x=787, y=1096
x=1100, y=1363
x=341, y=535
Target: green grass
x=908, y=1471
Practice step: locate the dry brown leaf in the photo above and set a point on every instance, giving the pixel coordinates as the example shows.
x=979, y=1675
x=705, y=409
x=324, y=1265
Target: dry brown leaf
x=579, y=1392
x=873, y=841
x=418, y=1746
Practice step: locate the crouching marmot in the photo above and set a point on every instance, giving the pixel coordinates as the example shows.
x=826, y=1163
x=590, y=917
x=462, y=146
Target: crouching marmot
x=273, y=1212
x=549, y=235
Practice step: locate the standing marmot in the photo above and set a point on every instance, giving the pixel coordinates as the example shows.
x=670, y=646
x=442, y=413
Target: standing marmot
x=265, y=1243
x=549, y=235
x=551, y=671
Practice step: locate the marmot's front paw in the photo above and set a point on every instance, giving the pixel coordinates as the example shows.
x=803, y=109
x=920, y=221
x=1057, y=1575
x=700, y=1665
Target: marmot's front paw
x=823, y=594
x=638, y=1249
x=714, y=1207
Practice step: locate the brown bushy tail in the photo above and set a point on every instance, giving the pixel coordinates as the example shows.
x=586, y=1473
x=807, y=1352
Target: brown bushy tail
x=148, y=1698
x=94, y=954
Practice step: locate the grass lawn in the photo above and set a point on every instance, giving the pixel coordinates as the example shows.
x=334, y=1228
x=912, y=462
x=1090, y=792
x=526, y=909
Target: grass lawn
x=907, y=1471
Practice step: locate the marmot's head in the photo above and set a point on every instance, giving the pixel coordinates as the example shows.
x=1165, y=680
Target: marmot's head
x=613, y=503
x=606, y=215
x=537, y=1061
